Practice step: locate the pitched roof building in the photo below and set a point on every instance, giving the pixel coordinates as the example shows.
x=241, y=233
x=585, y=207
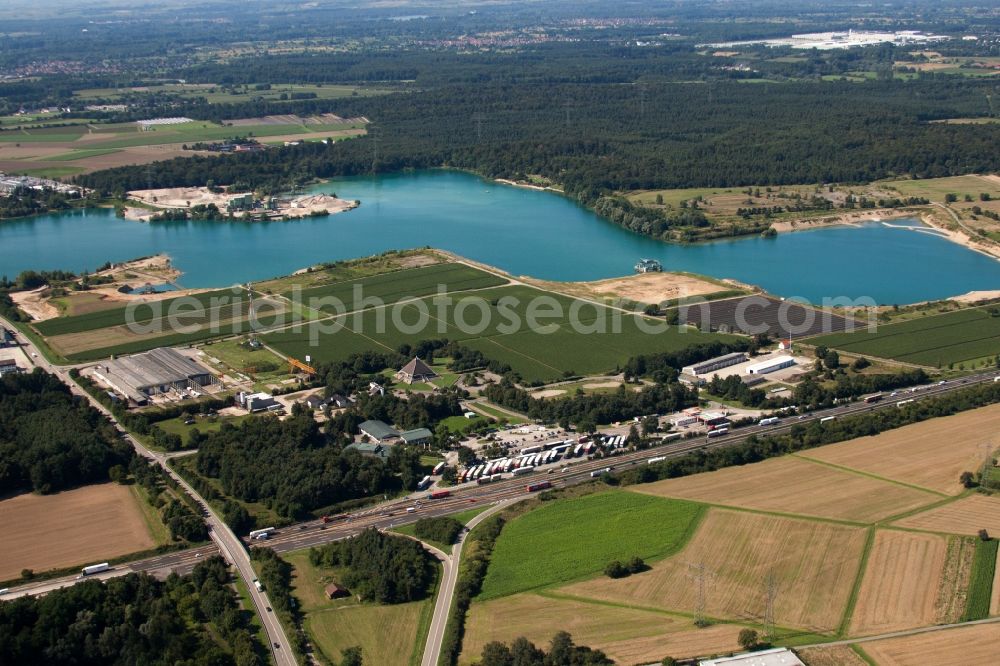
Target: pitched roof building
x=378, y=431
x=415, y=371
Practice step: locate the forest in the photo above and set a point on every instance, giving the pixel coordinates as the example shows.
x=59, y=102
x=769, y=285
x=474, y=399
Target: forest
x=133, y=619
x=294, y=468
x=597, y=139
x=380, y=568
x=51, y=440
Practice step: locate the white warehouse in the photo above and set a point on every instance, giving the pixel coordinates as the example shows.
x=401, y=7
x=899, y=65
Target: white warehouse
x=714, y=364
x=770, y=365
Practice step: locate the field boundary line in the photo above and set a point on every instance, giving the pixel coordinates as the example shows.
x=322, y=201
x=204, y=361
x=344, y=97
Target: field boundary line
x=889, y=520
x=522, y=354
x=852, y=600
x=876, y=477
x=858, y=650
x=763, y=512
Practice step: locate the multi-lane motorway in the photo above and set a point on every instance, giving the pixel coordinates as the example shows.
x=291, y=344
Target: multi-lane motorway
x=394, y=513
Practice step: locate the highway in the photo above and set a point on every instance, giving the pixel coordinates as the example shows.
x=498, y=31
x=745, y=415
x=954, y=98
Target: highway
x=393, y=513
x=227, y=542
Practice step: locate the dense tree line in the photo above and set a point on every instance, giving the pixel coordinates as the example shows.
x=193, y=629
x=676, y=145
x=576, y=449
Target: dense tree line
x=26, y=201
x=292, y=467
x=471, y=573
x=379, y=567
x=180, y=517
x=443, y=529
x=51, y=440
x=663, y=367
x=133, y=619
x=620, y=137
x=593, y=409
x=562, y=652
x=275, y=574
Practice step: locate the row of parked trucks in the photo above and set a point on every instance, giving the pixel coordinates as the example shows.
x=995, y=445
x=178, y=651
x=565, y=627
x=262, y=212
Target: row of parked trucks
x=529, y=458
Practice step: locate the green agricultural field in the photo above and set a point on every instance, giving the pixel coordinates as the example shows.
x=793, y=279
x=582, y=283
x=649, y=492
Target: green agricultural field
x=577, y=537
x=205, y=131
x=496, y=323
x=977, y=604
x=963, y=336
x=79, y=155
x=202, y=424
x=400, y=285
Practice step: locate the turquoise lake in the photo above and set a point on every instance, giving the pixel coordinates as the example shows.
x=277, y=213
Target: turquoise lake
x=522, y=231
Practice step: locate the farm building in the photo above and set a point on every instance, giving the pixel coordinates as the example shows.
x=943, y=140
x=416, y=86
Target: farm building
x=257, y=402
x=157, y=371
x=9, y=366
x=369, y=449
x=7, y=338
x=378, y=431
x=713, y=364
x=775, y=657
x=770, y=365
x=417, y=436
x=334, y=591
x=415, y=371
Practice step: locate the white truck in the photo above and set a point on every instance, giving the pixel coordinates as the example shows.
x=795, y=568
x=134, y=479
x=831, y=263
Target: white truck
x=262, y=534
x=96, y=568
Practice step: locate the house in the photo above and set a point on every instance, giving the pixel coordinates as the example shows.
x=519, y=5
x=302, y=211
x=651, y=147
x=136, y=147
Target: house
x=7, y=338
x=334, y=591
x=369, y=449
x=785, y=345
x=9, y=366
x=315, y=401
x=417, y=436
x=338, y=401
x=415, y=371
x=374, y=388
x=378, y=431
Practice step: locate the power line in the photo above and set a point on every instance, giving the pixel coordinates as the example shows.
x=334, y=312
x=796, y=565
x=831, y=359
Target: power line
x=770, y=594
x=701, y=575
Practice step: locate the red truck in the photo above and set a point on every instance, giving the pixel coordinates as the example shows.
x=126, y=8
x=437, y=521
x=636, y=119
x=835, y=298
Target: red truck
x=439, y=494
x=331, y=519
x=541, y=485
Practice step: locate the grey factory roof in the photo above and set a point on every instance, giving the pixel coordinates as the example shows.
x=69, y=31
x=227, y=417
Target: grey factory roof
x=157, y=367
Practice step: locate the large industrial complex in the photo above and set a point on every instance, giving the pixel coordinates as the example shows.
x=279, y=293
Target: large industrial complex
x=157, y=372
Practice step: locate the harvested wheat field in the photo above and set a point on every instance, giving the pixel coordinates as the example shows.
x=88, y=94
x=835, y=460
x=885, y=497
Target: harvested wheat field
x=963, y=646
x=793, y=485
x=901, y=583
x=627, y=635
x=75, y=527
x=813, y=563
x=931, y=454
x=838, y=655
x=964, y=516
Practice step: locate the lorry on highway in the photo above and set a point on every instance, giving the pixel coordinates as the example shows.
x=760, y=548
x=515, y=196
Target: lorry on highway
x=718, y=432
x=541, y=485
x=873, y=398
x=770, y=420
x=258, y=585
x=655, y=460
x=825, y=419
x=439, y=494
x=261, y=534
x=599, y=472
x=96, y=568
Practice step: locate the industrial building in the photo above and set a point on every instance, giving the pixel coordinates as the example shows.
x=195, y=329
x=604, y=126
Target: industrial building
x=257, y=402
x=713, y=364
x=9, y=366
x=774, y=657
x=378, y=431
x=417, y=436
x=770, y=365
x=159, y=371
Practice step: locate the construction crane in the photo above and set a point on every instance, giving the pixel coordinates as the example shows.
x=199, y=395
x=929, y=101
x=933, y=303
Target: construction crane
x=295, y=364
